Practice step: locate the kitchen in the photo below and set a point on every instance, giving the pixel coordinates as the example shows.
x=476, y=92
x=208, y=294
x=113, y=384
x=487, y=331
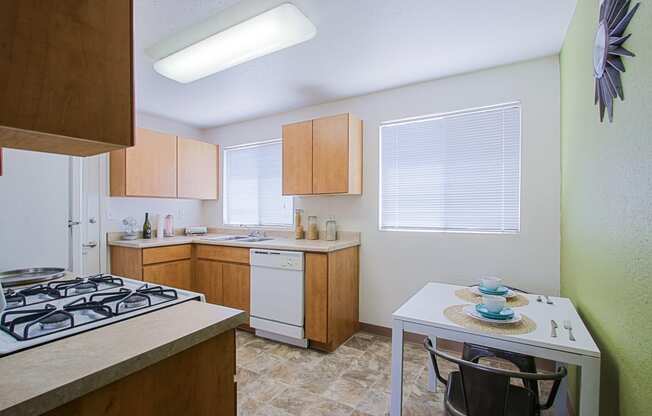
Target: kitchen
x=309, y=211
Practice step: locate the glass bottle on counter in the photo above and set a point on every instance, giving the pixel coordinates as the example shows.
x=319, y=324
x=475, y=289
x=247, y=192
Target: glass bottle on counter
x=147, y=227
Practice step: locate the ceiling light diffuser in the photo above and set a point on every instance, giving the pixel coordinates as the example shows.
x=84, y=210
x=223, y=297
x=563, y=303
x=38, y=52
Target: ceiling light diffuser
x=269, y=32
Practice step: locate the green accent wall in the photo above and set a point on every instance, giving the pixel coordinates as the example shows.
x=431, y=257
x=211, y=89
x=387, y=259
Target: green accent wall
x=606, y=231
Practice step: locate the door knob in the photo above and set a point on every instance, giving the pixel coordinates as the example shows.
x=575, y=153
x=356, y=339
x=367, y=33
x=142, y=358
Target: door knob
x=90, y=244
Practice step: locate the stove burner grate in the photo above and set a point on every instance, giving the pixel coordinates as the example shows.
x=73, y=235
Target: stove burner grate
x=40, y=289
x=49, y=319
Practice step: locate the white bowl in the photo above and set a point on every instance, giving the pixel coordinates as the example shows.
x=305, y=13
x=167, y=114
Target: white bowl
x=490, y=282
x=493, y=303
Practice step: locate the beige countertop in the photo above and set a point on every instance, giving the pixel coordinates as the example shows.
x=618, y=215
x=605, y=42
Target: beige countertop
x=276, y=243
x=43, y=378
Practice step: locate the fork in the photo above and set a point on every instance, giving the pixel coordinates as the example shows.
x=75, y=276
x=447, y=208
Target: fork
x=569, y=327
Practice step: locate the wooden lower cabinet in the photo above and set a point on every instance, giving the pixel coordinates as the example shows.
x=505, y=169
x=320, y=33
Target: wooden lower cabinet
x=236, y=287
x=316, y=290
x=176, y=274
x=332, y=292
x=222, y=274
x=208, y=280
x=192, y=382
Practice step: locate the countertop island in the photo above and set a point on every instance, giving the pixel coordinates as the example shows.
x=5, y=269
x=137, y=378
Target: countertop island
x=145, y=365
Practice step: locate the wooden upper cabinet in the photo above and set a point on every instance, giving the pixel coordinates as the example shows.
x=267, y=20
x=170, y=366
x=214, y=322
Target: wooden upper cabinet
x=66, y=77
x=324, y=159
x=149, y=169
x=197, y=169
x=297, y=158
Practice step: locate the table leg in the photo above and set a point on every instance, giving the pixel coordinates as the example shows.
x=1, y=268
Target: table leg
x=590, y=387
x=561, y=405
x=432, y=379
x=396, y=405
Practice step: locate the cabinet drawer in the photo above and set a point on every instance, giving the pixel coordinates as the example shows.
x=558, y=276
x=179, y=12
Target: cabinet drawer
x=168, y=253
x=223, y=253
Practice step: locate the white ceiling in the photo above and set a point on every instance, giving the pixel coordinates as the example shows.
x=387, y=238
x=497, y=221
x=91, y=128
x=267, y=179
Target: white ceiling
x=361, y=46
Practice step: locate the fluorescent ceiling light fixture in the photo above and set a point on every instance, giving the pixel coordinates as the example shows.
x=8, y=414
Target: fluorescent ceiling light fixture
x=269, y=32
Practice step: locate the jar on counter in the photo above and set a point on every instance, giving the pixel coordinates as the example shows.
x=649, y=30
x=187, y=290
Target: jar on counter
x=331, y=229
x=313, y=228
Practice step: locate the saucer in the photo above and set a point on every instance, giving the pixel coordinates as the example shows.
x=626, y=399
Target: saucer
x=506, y=313
x=470, y=311
x=476, y=291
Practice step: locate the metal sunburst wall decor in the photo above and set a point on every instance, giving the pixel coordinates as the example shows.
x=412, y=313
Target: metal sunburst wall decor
x=608, y=51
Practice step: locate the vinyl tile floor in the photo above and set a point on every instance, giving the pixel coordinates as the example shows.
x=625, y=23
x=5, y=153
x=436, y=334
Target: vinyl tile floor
x=276, y=379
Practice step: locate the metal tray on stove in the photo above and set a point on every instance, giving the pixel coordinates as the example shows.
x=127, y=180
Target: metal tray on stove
x=22, y=277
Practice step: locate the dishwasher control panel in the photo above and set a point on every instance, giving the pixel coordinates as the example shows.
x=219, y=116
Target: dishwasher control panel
x=290, y=260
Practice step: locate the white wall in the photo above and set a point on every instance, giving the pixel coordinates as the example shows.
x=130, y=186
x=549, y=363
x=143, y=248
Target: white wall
x=396, y=264
x=34, y=208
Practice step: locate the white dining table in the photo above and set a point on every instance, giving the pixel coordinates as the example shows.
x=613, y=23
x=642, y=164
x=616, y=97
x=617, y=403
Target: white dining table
x=423, y=314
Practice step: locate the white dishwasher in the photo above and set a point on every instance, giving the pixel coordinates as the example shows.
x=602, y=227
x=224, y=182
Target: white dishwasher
x=277, y=288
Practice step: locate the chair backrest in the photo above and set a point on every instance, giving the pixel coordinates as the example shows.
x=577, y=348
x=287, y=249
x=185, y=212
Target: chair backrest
x=485, y=393
x=485, y=389
x=525, y=363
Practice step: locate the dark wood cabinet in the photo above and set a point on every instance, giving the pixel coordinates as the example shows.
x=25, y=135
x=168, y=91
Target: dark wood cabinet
x=66, y=75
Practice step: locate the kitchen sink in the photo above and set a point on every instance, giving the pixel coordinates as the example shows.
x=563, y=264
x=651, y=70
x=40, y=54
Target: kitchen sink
x=242, y=238
x=256, y=239
x=227, y=238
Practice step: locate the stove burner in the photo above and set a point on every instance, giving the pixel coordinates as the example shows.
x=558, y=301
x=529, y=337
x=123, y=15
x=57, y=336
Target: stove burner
x=107, y=279
x=54, y=321
x=135, y=301
x=84, y=287
x=14, y=299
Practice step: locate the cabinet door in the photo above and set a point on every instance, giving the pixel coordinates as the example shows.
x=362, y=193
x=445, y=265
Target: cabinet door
x=316, y=273
x=151, y=165
x=330, y=165
x=297, y=158
x=235, y=286
x=197, y=169
x=176, y=274
x=208, y=280
x=66, y=70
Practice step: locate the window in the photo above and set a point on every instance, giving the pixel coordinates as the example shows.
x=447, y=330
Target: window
x=252, y=186
x=454, y=172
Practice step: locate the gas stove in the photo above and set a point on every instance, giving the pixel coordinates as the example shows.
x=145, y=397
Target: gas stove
x=43, y=313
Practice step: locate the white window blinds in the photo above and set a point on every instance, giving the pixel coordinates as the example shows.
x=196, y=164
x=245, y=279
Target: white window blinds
x=455, y=172
x=252, y=186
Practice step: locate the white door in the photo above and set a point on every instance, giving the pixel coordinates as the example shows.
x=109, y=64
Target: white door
x=87, y=255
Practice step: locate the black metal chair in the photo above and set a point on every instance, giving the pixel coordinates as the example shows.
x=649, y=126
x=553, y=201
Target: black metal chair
x=525, y=363
x=480, y=390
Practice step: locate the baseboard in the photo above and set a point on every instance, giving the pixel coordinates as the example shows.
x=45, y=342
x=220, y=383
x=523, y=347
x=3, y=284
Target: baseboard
x=442, y=344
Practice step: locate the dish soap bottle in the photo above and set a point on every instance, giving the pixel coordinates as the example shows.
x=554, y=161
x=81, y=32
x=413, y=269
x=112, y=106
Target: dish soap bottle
x=147, y=227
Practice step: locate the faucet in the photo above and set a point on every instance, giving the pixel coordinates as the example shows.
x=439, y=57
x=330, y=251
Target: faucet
x=256, y=234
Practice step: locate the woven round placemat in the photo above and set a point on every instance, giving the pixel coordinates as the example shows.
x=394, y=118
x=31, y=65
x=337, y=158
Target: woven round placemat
x=467, y=295
x=456, y=314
